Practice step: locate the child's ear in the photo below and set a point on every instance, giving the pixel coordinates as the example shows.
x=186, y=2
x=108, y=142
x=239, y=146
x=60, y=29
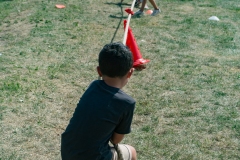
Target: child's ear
x=99, y=71
x=130, y=72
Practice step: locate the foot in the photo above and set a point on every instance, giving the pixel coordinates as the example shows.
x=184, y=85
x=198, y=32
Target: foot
x=155, y=12
x=139, y=13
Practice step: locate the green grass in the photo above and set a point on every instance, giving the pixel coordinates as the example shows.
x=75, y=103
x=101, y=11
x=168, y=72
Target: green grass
x=188, y=102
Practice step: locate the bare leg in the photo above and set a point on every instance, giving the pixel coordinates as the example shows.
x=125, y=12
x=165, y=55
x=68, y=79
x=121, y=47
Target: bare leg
x=134, y=153
x=143, y=5
x=153, y=4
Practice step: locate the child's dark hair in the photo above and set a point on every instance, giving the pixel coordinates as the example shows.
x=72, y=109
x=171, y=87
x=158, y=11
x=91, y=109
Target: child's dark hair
x=115, y=60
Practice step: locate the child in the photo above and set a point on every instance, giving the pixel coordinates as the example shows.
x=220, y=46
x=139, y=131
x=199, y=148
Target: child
x=104, y=112
x=140, y=12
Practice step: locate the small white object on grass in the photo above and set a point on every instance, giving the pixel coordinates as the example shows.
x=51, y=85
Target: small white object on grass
x=214, y=18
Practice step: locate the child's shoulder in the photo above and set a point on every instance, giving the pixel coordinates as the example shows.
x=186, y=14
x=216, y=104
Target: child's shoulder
x=125, y=97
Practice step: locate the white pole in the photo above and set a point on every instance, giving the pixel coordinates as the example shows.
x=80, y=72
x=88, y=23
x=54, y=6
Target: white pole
x=127, y=25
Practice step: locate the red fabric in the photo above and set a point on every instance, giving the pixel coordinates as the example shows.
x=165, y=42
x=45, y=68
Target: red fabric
x=129, y=11
x=132, y=45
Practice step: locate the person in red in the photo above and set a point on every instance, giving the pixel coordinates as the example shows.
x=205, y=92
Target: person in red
x=104, y=112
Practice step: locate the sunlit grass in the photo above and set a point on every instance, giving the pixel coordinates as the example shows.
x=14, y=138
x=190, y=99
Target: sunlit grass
x=187, y=98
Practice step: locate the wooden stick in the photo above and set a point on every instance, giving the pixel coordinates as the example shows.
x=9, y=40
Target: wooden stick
x=127, y=25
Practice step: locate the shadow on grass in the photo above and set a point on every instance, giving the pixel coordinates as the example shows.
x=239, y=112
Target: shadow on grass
x=5, y=0
x=118, y=4
x=117, y=17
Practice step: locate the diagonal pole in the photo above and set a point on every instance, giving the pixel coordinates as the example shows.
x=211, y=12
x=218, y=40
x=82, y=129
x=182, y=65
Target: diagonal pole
x=127, y=25
x=126, y=29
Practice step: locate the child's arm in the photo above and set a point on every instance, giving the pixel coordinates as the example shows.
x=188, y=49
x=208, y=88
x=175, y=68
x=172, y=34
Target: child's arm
x=117, y=138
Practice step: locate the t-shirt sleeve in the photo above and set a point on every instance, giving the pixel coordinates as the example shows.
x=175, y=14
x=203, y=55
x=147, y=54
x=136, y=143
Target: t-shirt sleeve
x=124, y=127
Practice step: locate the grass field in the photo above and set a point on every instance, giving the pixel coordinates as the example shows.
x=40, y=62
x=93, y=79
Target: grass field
x=188, y=97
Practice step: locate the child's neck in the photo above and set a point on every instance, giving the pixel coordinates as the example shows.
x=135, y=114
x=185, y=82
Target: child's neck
x=114, y=82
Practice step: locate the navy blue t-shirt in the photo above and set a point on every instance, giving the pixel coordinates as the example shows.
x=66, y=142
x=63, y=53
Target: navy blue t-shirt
x=101, y=111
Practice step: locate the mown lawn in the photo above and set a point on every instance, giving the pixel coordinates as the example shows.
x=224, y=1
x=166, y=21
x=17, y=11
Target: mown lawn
x=188, y=97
